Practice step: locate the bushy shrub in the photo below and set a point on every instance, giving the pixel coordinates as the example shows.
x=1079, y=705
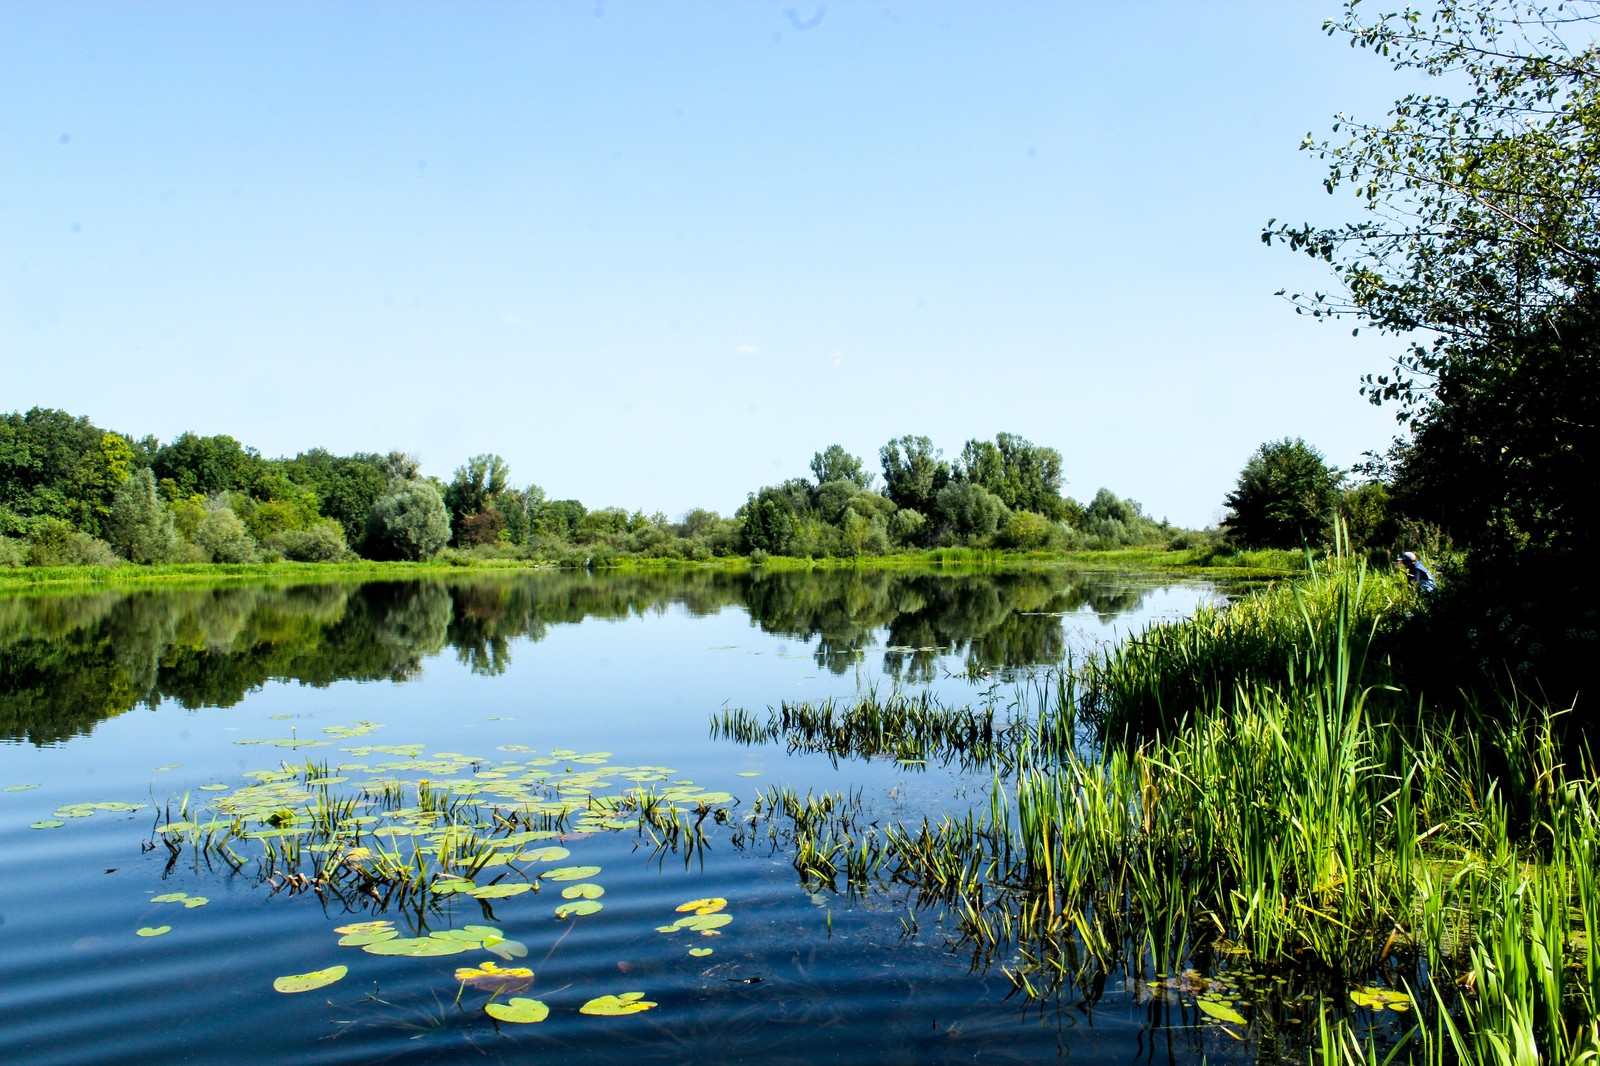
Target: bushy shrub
x=53, y=542
x=13, y=551
x=906, y=526
x=1026, y=531
x=321, y=542
x=409, y=521
x=222, y=535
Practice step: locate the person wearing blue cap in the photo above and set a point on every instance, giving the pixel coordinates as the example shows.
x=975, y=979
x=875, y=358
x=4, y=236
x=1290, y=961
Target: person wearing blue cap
x=1419, y=576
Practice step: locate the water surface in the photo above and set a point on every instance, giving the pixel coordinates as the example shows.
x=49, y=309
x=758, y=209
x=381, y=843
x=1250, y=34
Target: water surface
x=149, y=697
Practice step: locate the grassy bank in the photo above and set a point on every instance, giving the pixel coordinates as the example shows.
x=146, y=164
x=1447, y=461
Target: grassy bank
x=1199, y=562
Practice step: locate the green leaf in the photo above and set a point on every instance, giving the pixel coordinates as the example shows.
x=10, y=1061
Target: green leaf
x=305, y=982
x=159, y=930
x=583, y=891
x=616, y=1006
x=170, y=897
x=570, y=873
x=500, y=891
x=699, y=953
x=519, y=1010
x=580, y=907
x=1222, y=1012
x=417, y=947
x=48, y=823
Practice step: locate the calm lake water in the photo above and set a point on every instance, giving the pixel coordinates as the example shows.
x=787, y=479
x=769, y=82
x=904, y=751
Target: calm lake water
x=166, y=705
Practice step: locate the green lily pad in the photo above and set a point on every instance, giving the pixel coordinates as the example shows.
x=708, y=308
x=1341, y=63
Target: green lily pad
x=583, y=891
x=699, y=953
x=305, y=982
x=17, y=788
x=195, y=901
x=519, y=1010
x=48, y=823
x=170, y=897
x=500, y=891
x=570, y=873
x=361, y=940
x=417, y=947
x=158, y=930
x=578, y=908
x=506, y=949
x=549, y=854
x=213, y=788
x=1380, y=998
x=616, y=1006
x=743, y=773
x=1222, y=1012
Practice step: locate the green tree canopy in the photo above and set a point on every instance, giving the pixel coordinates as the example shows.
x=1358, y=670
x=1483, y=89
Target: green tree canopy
x=836, y=464
x=913, y=472
x=1025, y=476
x=1284, y=498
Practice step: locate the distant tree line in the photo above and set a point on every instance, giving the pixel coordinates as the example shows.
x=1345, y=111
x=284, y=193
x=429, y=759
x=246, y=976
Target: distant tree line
x=73, y=493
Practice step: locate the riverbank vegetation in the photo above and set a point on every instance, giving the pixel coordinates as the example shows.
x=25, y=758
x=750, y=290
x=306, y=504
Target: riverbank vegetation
x=1257, y=810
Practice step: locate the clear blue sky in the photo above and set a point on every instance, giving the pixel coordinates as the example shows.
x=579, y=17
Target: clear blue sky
x=656, y=254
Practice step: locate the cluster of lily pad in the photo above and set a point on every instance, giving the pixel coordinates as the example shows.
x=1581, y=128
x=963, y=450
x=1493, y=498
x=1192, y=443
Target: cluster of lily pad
x=84, y=810
x=383, y=938
x=394, y=825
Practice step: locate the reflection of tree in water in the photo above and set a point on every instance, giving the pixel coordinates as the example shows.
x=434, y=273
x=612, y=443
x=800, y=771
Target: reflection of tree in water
x=1004, y=619
x=69, y=661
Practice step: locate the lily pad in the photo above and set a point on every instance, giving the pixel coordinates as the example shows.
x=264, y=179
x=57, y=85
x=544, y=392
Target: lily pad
x=583, y=891
x=48, y=823
x=170, y=897
x=500, y=891
x=522, y=1011
x=699, y=953
x=1222, y=1012
x=305, y=982
x=616, y=1006
x=416, y=947
x=709, y=905
x=1380, y=998
x=195, y=901
x=578, y=908
x=213, y=788
x=548, y=854
x=17, y=788
x=157, y=930
x=364, y=933
x=570, y=873
x=492, y=976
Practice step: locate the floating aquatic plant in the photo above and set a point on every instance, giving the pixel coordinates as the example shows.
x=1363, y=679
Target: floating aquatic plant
x=616, y=1006
x=521, y=1011
x=306, y=982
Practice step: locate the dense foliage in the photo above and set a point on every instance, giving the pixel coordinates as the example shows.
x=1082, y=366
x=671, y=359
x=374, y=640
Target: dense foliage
x=1478, y=245
x=1285, y=497
x=72, y=493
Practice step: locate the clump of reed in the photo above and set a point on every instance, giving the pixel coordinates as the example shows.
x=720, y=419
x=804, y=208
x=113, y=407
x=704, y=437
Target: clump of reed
x=1286, y=807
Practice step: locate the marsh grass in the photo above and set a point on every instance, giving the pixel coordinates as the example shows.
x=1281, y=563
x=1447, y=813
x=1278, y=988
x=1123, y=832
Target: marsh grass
x=1254, y=792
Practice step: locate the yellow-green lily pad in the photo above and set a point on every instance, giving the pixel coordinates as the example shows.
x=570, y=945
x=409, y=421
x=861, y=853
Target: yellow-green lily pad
x=305, y=982
x=1222, y=1012
x=519, y=1010
x=157, y=930
x=699, y=953
x=1380, y=998
x=616, y=1006
x=48, y=823
x=709, y=905
x=570, y=873
x=500, y=891
x=578, y=908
